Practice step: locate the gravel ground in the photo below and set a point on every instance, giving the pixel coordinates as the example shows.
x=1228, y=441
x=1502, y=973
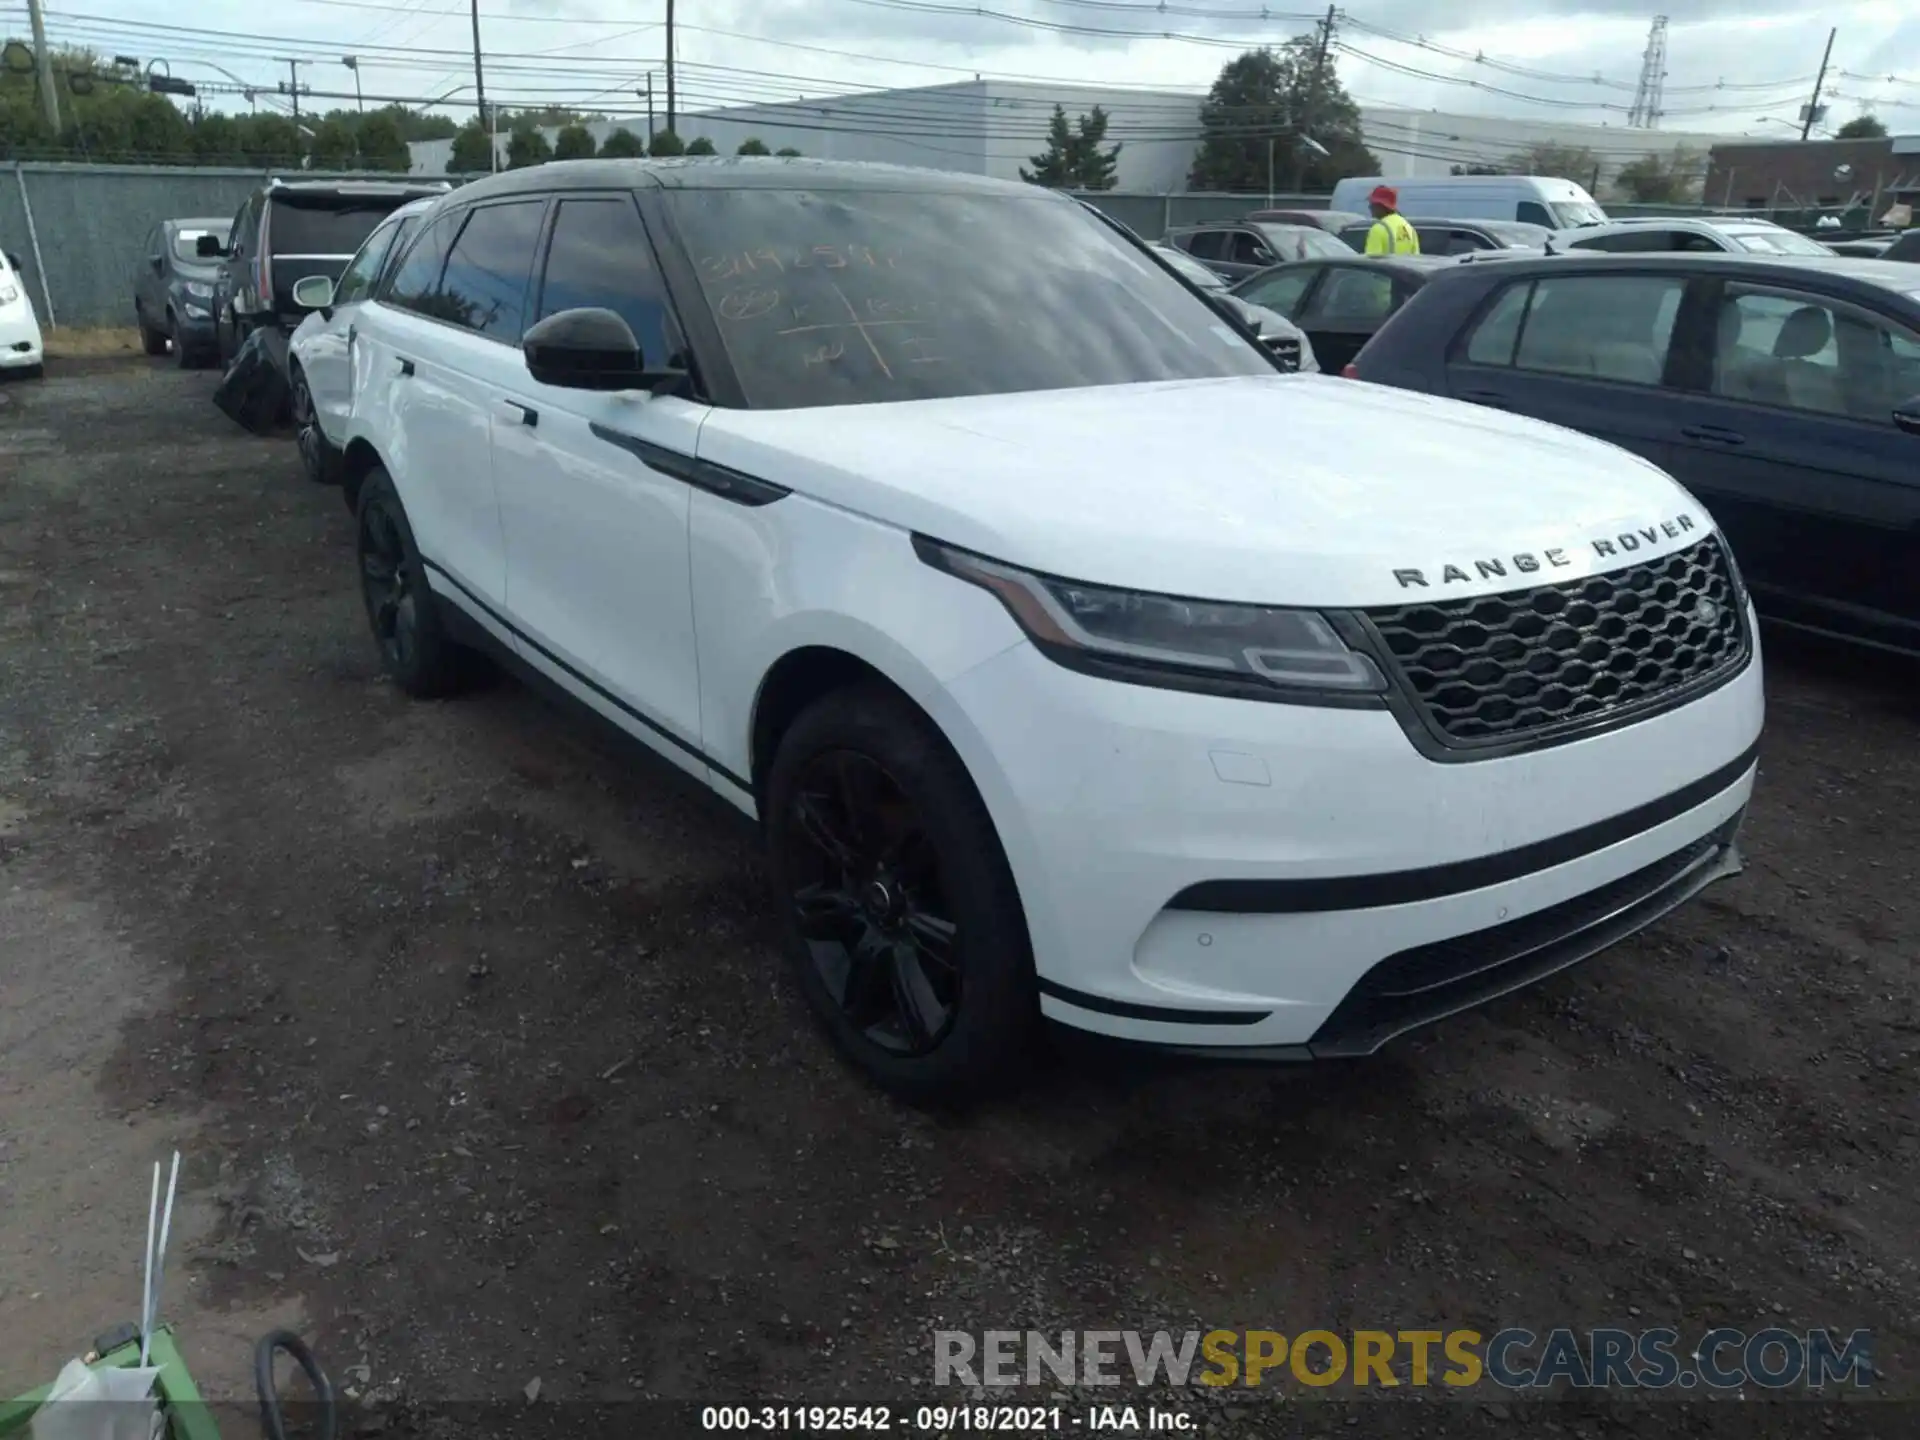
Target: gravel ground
x=487, y=1073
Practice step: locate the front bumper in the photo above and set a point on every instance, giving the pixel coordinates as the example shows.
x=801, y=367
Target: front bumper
x=1240, y=877
x=20, y=346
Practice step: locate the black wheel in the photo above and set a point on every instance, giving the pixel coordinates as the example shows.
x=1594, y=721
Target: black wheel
x=151, y=340
x=413, y=644
x=186, y=356
x=902, y=919
x=317, y=458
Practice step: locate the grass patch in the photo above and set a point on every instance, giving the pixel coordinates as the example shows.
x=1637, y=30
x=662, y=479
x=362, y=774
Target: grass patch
x=85, y=342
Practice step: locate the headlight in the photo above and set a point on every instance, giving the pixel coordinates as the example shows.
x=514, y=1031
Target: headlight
x=1251, y=651
x=199, y=289
x=196, y=312
x=8, y=294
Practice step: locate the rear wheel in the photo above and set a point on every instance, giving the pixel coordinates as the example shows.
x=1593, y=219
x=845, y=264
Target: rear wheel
x=414, y=645
x=151, y=340
x=318, y=461
x=902, y=920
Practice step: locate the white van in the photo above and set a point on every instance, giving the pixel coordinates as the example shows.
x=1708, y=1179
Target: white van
x=1536, y=199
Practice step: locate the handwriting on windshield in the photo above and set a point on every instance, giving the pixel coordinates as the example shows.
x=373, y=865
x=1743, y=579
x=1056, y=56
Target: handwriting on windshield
x=767, y=260
x=825, y=325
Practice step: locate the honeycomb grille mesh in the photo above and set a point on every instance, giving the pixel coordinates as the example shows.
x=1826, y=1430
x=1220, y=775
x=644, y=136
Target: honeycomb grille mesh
x=1286, y=350
x=1509, y=667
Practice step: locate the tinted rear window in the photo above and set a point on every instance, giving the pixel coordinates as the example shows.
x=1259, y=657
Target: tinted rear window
x=337, y=228
x=847, y=297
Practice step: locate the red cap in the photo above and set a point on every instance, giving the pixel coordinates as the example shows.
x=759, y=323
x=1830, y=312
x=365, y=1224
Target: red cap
x=1385, y=195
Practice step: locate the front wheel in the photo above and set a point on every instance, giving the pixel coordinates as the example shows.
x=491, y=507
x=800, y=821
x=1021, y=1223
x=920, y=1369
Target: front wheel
x=414, y=645
x=901, y=916
x=151, y=340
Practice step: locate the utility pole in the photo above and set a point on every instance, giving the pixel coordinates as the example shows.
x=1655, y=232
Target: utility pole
x=43, y=69
x=480, y=91
x=1813, y=105
x=293, y=89
x=649, y=93
x=670, y=120
x=1311, y=110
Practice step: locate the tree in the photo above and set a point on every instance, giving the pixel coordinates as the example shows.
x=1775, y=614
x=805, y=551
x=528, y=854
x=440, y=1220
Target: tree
x=1073, y=159
x=788, y=152
x=667, y=143
x=527, y=146
x=472, y=151
x=752, y=146
x=383, y=142
x=1862, y=127
x=1262, y=107
x=623, y=144
x=334, y=144
x=574, y=142
x=1652, y=180
x=1549, y=158
x=701, y=145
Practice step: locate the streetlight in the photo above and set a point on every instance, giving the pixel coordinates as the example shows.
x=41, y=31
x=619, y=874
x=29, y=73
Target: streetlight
x=1307, y=141
x=352, y=62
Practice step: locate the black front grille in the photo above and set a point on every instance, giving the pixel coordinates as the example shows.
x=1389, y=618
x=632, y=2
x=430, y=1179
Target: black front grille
x=1501, y=669
x=1286, y=349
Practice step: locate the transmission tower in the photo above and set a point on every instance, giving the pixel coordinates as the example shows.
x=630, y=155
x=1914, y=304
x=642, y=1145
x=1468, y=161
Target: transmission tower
x=1645, y=114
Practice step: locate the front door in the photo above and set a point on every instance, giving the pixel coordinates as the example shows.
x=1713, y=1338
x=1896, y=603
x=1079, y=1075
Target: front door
x=1589, y=352
x=1796, y=450
x=598, y=574
x=1345, y=308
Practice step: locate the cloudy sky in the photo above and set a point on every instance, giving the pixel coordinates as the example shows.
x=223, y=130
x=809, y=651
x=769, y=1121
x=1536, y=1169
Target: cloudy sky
x=1732, y=65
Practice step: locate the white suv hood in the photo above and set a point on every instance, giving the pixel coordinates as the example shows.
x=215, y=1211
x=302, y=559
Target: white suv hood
x=1294, y=490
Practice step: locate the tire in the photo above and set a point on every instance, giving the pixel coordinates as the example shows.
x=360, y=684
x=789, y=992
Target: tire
x=414, y=646
x=151, y=340
x=185, y=356
x=319, y=462
x=891, y=885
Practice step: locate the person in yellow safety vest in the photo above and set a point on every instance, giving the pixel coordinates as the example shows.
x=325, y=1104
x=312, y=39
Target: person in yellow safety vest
x=1390, y=234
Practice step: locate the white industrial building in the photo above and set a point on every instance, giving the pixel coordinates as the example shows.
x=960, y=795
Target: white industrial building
x=993, y=127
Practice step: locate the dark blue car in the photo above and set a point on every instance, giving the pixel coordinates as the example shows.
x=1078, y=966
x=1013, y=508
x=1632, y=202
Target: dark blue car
x=1784, y=392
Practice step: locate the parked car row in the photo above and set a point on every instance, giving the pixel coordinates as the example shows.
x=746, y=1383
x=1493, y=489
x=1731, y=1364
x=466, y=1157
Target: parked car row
x=20, y=340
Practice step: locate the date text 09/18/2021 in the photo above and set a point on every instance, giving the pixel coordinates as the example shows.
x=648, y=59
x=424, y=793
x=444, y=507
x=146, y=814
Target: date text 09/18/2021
x=1046, y=1420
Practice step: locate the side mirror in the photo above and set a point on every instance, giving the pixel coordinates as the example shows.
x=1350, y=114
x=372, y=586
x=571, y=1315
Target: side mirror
x=315, y=292
x=158, y=262
x=13, y=263
x=208, y=247
x=1264, y=257
x=586, y=349
x=1907, y=415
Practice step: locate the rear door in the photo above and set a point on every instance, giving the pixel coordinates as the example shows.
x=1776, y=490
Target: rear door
x=1794, y=445
x=1345, y=309
x=1590, y=352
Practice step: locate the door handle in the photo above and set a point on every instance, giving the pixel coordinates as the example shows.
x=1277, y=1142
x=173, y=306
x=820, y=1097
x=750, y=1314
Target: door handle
x=1713, y=434
x=406, y=367
x=1485, y=397
x=514, y=412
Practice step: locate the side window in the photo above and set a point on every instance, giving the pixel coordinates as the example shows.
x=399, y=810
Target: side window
x=356, y=281
x=402, y=234
x=237, y=242
x=484, y=285
x=1352, y=295
x=417, y=276
x=1494, y=338
x=1534, y=213
x=1355, y=237
x=1249, y=249
x=1629, y=242
x=1602, y=327
x=1207, y=244
x=1280, y=291
x=600, y=256
x=1907, y=247
x=1801, y=352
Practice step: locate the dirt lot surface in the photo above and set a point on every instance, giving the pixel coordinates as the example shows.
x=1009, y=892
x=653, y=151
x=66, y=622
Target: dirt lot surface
x=486, y=1072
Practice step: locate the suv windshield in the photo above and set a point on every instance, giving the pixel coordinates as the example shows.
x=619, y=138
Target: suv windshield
x=1577, y=212
x=330, y=226
x=844, y=297
x=185, y=241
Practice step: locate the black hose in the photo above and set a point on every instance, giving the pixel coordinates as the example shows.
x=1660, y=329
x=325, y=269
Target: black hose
x=272, y=1425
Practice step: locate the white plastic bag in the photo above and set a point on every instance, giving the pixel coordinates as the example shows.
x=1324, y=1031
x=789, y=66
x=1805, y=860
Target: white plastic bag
x=104, y=1404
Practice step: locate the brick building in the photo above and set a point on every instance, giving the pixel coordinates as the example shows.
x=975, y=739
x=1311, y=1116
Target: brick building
x=1803, y=174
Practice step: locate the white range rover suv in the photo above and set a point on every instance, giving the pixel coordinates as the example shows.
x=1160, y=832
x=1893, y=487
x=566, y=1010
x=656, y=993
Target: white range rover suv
x=1073, y=660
